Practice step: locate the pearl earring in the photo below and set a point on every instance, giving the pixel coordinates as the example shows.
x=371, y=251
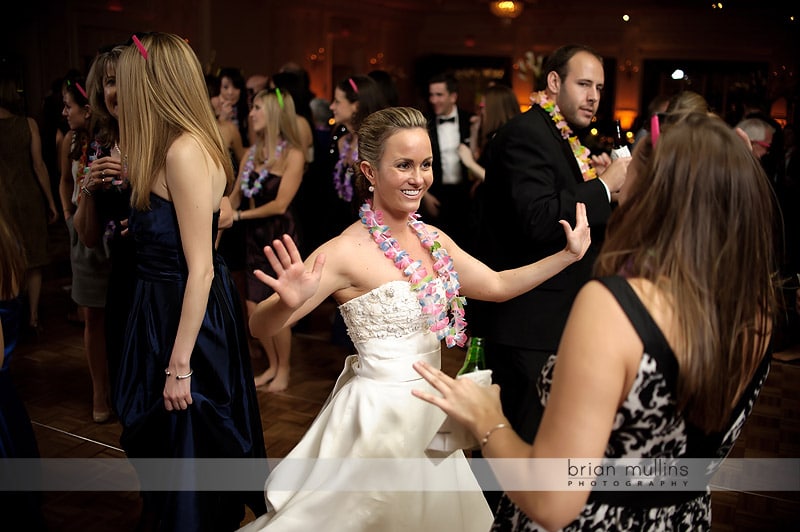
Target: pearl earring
x=371, y=188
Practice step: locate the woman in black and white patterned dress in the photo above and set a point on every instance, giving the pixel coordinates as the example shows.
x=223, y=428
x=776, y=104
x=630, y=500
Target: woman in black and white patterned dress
x=663, y=355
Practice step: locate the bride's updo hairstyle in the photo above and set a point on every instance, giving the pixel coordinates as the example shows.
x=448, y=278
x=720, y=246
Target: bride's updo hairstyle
x=373, y=134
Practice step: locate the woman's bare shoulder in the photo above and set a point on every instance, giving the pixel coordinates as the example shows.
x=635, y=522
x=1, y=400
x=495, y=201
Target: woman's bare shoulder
x=348, y=242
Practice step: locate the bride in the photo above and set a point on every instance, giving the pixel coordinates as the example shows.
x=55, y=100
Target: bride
x=364, y=463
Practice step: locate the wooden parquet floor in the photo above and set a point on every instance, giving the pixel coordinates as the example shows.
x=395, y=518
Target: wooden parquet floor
x=53, y=379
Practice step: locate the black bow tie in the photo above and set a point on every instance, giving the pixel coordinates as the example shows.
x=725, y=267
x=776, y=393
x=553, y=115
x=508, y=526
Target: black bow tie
x=445, y=120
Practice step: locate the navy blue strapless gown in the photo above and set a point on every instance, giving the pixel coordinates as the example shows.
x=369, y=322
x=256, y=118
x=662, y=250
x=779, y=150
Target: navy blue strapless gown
x=223, y=421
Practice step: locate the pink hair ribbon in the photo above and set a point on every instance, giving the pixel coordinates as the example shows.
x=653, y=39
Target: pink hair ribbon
x=81, y=90
x=140, y=46
x=655, y=129
x=353, y=84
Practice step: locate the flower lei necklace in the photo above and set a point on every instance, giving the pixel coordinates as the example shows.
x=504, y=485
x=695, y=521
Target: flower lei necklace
x=450, y=328
x=83, y=162
x=580, y=151
x=253, y=190
x=343, y=171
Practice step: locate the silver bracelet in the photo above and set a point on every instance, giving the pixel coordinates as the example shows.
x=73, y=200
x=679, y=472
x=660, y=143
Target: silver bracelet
x=489, y=432
x=168, y=373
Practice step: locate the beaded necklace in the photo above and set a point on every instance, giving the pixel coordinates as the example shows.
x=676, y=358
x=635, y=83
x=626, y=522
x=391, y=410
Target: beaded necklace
x=253, y=190
x=343, y=171
x=445, y=315
x=580, y=151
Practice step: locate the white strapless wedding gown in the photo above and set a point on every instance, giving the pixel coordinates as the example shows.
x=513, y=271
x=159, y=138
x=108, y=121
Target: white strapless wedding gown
x=363, y=465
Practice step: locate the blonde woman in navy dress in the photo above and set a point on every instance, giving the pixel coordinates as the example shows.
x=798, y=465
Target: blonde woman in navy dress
x=185, y=385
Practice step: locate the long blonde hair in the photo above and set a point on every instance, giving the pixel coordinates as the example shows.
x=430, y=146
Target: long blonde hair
x=699, y=225
x=281, y=124
x=160, y=98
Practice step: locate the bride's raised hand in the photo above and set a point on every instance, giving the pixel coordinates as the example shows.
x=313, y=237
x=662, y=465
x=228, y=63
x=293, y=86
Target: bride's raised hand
x=578, y=239
x=292, y=282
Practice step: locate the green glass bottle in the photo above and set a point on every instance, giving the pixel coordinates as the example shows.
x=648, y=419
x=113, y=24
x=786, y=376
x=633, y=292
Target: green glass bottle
x=475, y=359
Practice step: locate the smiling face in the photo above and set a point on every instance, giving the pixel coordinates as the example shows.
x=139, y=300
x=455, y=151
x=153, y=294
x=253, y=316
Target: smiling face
x=228, y=91
x=403, y=173
x=258, y=115
x=77, y=116
x=343, y=109
x=442, y=100
x=110, y=89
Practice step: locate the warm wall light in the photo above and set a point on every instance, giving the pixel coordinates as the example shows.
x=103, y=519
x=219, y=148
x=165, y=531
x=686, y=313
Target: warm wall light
x=625, y=117
x=506, y=8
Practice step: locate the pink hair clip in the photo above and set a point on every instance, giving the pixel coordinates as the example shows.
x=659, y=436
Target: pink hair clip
x=81, y=90
x=655, y=129
x=353, y=84
x=140, y=46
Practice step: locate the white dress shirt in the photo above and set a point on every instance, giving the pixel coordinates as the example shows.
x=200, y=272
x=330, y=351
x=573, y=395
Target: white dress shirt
x=449, y=139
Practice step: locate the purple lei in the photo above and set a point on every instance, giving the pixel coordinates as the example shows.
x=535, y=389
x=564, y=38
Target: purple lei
x=343, y=172
x=253, y=190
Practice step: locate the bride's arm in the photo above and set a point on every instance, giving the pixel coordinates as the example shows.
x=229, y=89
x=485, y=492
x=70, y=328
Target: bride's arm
x=478, y=281
x=299, y=287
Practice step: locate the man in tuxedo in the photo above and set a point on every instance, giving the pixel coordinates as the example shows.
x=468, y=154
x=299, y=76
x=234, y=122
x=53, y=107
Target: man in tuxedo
x=533, y=180
x=446, y=203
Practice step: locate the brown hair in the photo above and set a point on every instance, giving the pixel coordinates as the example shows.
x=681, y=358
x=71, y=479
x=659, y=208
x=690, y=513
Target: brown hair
x=369, y=97
x=699, y=225
x=103, y=125
x=501, y=106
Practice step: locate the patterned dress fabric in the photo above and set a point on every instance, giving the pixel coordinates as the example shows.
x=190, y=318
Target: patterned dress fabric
x=647, y=425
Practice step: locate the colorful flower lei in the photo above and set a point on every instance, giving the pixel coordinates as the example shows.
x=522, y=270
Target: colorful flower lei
x=83, y=163
x=449, y=328
x=254, y=190
x=343, y=172
x=580, y=151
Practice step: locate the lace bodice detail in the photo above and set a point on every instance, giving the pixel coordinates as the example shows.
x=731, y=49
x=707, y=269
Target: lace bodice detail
x=388, y=311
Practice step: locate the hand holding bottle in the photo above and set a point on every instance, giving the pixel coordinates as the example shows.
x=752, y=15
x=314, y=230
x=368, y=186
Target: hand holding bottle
x=474, y=367
x=620, y=148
